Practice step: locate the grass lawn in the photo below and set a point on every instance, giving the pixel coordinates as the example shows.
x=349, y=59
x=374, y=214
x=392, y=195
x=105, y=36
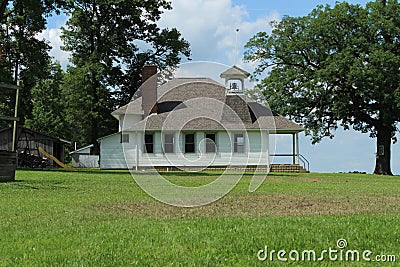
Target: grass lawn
x=102, y=218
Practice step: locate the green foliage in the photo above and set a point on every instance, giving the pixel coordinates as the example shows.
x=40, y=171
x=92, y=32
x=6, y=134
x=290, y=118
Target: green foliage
x=7, y=106
x=110, y=41
x=88, y=105
x=122, y=36
x=23, y=57
x=337, y=66
x=101, y=218
x=48, y=112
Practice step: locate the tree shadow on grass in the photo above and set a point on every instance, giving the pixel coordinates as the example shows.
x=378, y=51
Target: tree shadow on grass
x=77, y=171
x=37, y=184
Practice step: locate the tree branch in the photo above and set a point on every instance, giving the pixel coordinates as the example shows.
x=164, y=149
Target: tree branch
x=287, y=63
x=308, y=60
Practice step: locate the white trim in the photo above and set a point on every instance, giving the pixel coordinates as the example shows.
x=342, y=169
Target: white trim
x=107, y=136
x=80, y=149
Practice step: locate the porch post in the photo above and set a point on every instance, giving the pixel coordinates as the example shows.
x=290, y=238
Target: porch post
x=297, y=149
x=294, y=148
x=137, y=151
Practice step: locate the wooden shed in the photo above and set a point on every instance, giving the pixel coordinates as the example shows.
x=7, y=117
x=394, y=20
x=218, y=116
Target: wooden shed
x=28, y=142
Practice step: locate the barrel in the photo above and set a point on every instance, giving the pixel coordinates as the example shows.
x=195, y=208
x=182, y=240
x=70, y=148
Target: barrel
x=8, y=164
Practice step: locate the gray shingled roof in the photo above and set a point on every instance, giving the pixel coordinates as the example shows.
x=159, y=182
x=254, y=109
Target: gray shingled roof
x=135, y=106
x=203, y=104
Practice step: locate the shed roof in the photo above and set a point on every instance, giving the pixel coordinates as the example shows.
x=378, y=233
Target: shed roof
x=44, y=135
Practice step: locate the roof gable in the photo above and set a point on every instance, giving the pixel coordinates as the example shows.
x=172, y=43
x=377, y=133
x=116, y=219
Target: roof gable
x=234, y=71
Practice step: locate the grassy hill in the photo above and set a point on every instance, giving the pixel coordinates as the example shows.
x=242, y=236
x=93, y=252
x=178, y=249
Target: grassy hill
x=101, y=218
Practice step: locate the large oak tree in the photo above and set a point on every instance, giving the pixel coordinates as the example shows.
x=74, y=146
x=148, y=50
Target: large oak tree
x=110, y=41
x=337, y=66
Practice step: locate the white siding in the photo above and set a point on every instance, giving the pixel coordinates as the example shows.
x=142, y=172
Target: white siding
x=112, y=154
x=127, y=121
x=85, y=161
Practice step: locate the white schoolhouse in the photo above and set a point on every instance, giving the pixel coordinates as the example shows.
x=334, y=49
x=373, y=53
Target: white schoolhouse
x=194, y=123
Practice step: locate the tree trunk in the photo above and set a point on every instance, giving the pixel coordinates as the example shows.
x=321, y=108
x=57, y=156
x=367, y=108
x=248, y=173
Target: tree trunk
x=3, y=7
x=383, y=144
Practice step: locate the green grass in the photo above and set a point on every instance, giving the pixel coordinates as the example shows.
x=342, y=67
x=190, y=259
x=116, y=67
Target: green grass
x=102, y=218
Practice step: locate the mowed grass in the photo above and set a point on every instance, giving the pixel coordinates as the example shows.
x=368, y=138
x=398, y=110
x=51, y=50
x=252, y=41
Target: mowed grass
x=102, y=218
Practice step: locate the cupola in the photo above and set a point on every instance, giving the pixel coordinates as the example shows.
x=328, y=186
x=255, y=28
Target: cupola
x=234, y=79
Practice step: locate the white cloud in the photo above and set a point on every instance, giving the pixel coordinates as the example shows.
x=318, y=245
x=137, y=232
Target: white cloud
x=52, y=35
x=210, y=27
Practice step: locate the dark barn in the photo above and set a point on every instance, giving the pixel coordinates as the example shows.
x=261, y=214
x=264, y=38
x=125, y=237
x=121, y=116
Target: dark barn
x=28, y=142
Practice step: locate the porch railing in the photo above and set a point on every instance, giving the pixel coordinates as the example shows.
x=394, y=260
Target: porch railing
x=304, y=162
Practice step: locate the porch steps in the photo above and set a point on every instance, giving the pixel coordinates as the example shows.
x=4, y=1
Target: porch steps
x=292, y=168
x=297, y=168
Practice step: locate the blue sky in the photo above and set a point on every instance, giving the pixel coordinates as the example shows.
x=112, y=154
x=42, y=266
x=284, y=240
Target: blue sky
x=209, y=25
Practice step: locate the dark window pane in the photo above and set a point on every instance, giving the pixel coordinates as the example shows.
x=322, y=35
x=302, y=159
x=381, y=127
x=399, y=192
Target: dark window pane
x=169, y=143
x=211, y=136
x=189, y=138
x=148, y=143
x=238, y=145
x=189, y=148
x=124, y=138
x=168, y=148
x=211, y=146
x=149, y=148
x=189, y=143
x=169, y=138
x=148, y=138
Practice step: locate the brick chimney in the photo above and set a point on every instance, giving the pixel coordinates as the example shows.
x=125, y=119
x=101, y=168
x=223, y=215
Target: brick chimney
x=149, y=89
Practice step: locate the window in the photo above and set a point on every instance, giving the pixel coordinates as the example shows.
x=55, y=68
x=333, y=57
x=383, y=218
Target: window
x=189, y=143
x=124, y=138
x=168, y=143
x=148, y=143
x=238, y=144
x=211, y=144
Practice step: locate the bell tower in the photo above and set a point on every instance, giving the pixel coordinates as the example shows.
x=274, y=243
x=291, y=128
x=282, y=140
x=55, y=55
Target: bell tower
x=234, y=80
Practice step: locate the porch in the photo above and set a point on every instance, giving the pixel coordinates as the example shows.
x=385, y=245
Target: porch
x=292, y=161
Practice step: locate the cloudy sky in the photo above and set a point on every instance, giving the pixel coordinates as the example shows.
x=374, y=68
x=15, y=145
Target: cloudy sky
x=210, y=27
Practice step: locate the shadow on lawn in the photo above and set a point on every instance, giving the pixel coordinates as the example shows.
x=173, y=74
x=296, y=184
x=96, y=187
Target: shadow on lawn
x=77, y=170
x=38, y=184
